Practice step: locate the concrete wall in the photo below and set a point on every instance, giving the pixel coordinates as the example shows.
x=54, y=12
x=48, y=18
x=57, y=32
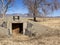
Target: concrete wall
x=3, y=32
x=9, y=20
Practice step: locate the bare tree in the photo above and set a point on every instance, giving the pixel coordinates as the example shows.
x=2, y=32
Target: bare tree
x=4, y=5
x=41, y=6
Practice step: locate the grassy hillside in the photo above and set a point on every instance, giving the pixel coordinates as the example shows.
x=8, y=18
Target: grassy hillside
x=46, y=30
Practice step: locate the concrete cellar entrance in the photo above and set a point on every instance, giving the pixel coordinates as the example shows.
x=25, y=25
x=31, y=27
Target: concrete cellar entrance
x=17, y=28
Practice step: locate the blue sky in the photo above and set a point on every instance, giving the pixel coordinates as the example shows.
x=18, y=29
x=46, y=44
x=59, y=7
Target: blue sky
x=18, y=7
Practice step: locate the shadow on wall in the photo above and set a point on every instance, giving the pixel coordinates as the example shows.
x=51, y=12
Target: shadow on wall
x=29, y=33
x=4, y=24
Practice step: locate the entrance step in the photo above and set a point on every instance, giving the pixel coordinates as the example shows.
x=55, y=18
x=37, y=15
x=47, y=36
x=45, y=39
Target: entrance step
x=21, y=37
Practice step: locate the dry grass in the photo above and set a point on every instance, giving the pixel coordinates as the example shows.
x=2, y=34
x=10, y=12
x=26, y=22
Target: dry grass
x=47, y=29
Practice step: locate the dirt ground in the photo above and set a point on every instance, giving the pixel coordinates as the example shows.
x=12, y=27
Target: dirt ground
x=47, y=29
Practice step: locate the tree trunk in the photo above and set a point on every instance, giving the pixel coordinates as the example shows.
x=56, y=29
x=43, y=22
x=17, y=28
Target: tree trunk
x=3, y=16
x=34, y=17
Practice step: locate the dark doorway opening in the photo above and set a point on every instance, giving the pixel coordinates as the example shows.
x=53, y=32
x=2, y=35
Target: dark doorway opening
x=17, y=28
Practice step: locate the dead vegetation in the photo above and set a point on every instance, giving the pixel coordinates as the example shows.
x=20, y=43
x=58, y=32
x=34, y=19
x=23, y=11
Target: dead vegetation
x=45, y=34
